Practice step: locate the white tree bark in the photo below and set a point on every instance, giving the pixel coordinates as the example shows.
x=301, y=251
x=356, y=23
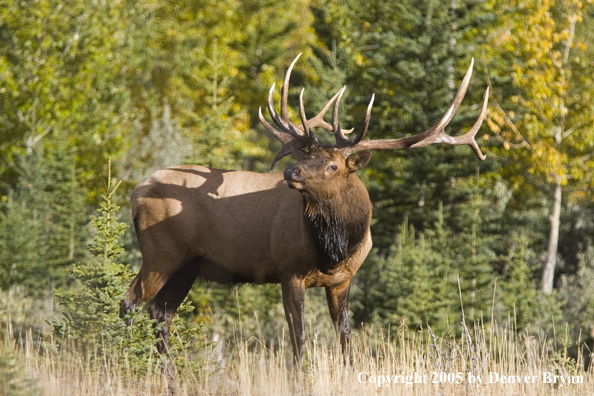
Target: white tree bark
x=548, y=274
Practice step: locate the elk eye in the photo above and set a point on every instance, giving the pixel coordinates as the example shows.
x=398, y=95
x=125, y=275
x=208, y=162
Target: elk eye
x=333, y=168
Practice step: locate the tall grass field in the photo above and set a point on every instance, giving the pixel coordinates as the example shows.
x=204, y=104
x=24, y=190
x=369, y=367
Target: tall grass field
x=481, y=360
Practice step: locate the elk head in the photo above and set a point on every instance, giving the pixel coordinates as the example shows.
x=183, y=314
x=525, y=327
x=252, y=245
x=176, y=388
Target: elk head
x=321, y=164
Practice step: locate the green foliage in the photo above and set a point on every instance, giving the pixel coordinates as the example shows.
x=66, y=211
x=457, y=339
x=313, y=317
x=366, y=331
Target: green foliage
x=20, y=236
x=549, y=98
x=542, y=116
x=517, y=290
x=576, y=291
x=13, y=378
x=424, y=53
x=193, y=76
x=219, y=143
x=91, y=308
x=60, y=72
x=437, y=276
x=42, y=220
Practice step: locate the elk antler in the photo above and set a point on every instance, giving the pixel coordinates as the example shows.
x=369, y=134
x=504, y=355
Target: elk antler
x=435, y=134
x=296, y=137
x=341, y=140
x=291, y=135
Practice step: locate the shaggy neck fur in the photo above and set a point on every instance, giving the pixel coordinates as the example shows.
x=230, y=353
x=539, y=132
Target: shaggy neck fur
x=338, y=225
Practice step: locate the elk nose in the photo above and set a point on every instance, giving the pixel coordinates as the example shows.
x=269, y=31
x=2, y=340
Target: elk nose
x=292, y=173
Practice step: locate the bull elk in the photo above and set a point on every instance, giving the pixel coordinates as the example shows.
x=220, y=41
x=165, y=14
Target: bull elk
x=305, y=227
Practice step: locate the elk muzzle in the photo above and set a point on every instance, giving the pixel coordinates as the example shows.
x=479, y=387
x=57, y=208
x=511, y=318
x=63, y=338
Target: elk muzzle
x=294, y=177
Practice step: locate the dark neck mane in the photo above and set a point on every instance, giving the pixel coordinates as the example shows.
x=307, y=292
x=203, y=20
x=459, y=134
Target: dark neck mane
x=338, y=226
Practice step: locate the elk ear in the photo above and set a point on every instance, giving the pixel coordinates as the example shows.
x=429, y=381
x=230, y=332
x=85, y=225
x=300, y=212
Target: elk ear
x=298, y=154
x=358, y=160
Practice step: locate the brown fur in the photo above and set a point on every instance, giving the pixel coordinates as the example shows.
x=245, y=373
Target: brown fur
x=233, y=227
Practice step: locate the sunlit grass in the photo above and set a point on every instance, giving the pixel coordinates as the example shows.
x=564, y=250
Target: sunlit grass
x=252, y=366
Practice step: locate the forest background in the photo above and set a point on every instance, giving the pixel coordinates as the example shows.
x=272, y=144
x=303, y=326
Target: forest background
x=153, y=84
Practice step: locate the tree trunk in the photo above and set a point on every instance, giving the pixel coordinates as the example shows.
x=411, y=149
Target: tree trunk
x=548, y=275
x=549, y=268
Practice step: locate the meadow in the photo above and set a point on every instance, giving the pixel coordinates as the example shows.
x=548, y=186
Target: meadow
x=482, y=360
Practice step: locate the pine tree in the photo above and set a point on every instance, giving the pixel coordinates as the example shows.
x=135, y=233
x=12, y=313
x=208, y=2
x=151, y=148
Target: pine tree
x=24, y=228
x=21, y=245
x=66, y=210
x=91, y=309
x=218, y=141
x=13, y=378
x=42, y=221
x=514, y=297
x=419, y=280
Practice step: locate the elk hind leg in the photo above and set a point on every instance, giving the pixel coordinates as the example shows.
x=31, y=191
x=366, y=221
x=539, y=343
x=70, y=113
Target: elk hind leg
x=148, y=282
x=131, y=299
x=143, y=288
x=169, y=298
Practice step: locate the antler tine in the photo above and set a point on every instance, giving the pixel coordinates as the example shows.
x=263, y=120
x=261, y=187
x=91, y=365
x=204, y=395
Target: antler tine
x=290, y=135
x=445, y=120
x=283, y=121
x=285, y=90
x=341, y=140
x=313, y=141
x=318, y=120
x=436, y=133
x=284, y=126
x=363, y=131
x=289, y=141
x=467, y=138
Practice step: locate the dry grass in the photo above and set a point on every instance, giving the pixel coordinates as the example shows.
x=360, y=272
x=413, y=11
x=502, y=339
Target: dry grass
x=251, y=367
x=247, y=364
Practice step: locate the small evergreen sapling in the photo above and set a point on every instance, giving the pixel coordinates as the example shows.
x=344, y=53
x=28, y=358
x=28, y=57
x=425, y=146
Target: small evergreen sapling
x=13, y=378
x=91, y=308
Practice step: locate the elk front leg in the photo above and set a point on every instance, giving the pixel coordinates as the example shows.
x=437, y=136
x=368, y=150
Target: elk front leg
x=293, y=300
x=338, y=301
